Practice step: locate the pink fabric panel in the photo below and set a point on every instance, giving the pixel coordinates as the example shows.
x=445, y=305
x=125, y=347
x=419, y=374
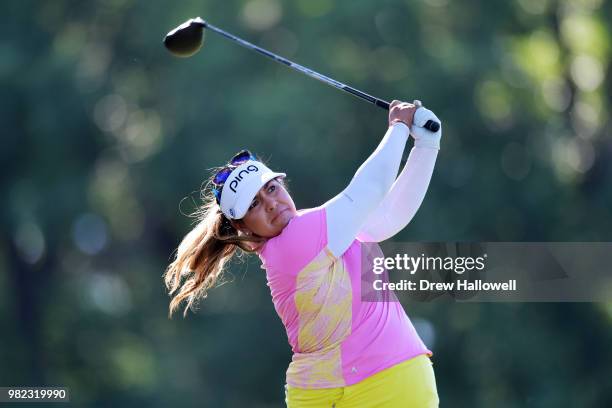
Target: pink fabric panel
x=284, y=256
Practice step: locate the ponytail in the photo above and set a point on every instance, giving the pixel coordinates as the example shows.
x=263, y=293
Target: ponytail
x=202, y=255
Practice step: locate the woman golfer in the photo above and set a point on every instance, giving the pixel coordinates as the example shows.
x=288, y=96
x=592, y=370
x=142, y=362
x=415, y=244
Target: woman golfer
x=346, y=352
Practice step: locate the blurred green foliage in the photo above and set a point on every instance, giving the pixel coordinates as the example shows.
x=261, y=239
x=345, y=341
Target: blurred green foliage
x=106, y=140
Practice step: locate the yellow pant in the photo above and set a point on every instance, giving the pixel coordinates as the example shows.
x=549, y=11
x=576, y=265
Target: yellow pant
x=406, y=385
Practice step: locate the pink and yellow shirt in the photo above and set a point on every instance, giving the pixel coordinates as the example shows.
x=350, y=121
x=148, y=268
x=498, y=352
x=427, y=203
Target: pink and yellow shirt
x=336, y=338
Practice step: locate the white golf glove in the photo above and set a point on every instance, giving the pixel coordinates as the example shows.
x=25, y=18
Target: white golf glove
x=423, y=137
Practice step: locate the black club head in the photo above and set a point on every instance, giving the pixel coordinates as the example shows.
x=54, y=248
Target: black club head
x=186, y=39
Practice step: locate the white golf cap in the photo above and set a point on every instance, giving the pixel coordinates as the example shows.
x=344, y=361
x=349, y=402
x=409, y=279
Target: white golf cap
x=242, y=185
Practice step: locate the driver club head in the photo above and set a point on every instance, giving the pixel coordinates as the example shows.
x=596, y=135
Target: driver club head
x=186, y=39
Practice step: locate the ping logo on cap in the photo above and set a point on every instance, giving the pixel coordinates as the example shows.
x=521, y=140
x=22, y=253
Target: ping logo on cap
x=240, y=176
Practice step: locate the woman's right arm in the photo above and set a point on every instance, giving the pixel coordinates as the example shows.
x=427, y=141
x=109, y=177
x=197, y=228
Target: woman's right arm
x=407, y=193
x=347, y=212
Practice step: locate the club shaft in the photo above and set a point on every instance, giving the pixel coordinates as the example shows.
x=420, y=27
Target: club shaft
x=430, y=125
x=313, y=74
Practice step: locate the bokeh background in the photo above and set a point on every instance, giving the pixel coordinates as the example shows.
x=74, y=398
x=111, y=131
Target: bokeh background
x=106, y=140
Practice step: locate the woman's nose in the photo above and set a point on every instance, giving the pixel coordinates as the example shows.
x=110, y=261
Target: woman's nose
x=270, y=204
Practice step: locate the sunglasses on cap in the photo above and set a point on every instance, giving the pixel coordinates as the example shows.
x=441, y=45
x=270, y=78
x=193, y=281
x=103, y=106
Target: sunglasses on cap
x=222, y=175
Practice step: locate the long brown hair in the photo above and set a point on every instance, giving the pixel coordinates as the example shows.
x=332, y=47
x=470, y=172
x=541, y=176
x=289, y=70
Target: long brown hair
x=203, y=253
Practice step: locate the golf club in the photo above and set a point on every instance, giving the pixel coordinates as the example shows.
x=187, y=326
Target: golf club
x=187, y=39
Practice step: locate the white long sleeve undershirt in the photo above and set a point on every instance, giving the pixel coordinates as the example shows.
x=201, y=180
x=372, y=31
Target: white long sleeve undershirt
x=349, y=210
x=373, y=207
x=404, y=199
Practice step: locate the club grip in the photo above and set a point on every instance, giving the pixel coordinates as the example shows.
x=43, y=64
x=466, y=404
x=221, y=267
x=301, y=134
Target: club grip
x=430, y=125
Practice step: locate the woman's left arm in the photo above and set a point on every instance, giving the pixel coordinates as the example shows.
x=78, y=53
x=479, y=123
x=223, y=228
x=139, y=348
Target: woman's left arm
x=408, y=191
